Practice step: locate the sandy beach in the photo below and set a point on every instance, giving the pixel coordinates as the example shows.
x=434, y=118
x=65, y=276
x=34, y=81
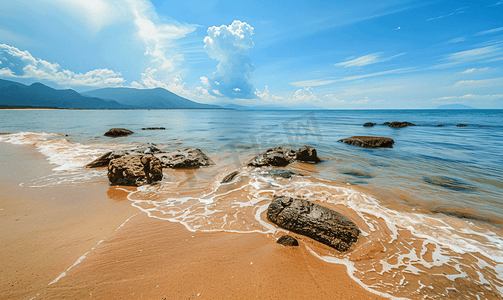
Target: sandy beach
x=89, y=242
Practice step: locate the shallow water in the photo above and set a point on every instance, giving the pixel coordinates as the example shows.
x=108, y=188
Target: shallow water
x=430, y=209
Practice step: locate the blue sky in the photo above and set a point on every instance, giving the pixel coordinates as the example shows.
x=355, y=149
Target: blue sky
x=332, y=54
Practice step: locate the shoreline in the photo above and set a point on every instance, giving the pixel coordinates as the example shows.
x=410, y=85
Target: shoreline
x=96, y=243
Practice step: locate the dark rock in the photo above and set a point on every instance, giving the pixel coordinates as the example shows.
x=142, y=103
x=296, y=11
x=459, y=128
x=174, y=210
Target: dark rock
x=287, y=240
x=134, y=170
x=439, y=126
x=276, y=157
x=397, y=124
x=369, y=124
x=280, y=173
x=307, y=154
x=369, y=141
x=449, y=183
x=358, y=174
x=230, y=177
x=188, y=157
x=386, y=123
x=280, y=157
x=317, y=222
x=153, y=128
x=461, y=125
x=116, y=132
x=103, y=160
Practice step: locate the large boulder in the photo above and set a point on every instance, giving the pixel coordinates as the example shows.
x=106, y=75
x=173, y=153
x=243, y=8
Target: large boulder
x=287, y=240
x=369, y=141
x=307, y=154
x=315, y=221
x=116, y=132
x=134, y=170
x=188, y=157
x=280, y=157
x=397, y=124
x=105, y=159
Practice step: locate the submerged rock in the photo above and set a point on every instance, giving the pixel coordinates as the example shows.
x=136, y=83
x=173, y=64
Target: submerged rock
x=280, y=157
x=461, y=125
x=280, y=173
x=134, y=170
x=153, y=128
x=183, y=158
x=287, y=240
x=317, y=222
x=369, y=124
x=397, y=124
x=449, y=183
x=369, y=141
x=117, y=132
x=230, y=177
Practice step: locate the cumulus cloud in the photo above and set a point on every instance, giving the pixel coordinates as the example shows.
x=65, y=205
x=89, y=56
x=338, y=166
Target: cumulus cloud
x=230, y=46
x=365, y=60
x=22, y=64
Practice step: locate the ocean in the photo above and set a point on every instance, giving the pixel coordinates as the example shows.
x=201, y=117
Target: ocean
x=430, y=209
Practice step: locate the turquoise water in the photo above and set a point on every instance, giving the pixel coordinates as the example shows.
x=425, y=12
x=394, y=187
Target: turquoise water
x=443, y=185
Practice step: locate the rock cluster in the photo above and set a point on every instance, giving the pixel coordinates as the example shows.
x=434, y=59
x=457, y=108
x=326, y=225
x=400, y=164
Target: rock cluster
x=280, y=157
x=315, y=221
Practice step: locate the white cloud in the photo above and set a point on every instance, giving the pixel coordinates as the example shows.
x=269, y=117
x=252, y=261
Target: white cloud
x=362, y=101
x=480, y=83
x=457, y=11
x=472, y=70
x=331, y=98
x=365, y=60
x=304, y=95
x=456, y=40
x=318, y=82
x=490, y=31
x=204, y=80
x=230, y=46
x=468, y=97
x=24, y=65
x=158, y=37
x=470, y=56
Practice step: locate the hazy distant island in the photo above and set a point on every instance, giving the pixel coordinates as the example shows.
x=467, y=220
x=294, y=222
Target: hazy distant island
x=455, y=106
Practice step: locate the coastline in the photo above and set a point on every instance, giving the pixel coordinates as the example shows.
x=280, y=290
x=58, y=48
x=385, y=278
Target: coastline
x=97, y=244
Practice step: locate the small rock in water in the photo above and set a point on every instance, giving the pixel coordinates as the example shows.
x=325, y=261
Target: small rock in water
x=369, y=141
x=315, y=221
x=230, y=177
x=369, y=124
x=184, y=158
x=153, y=128
x=287, y=240
x=280, y=157
x=397, y=124
x=449, y=183
x=307, y=154
x=117, y=132
x=280, y=173
x=461, y=125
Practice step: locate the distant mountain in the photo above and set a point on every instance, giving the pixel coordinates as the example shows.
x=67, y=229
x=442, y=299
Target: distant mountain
x=39, y=95
x=455, y=106
x=270, y=107
x=157, y=98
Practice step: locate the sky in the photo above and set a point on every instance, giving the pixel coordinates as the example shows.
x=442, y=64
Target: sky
x=329, y=54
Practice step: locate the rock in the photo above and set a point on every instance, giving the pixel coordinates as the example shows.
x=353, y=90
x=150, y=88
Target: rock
x=287, y=240
x=397, y=124
x=153, y=128
x=103, y=160
x=439, y=125
x=369, y=141
x=357, y=174
x=134, y=170
x=315, y=221
x=276, y=157
x=369, y=124
x=280, y=157
x=386, y=123
x=461, y=125
x=280, y=173
x=188, y=157
x=449, y=183
x=307, y=154
x=230, y=177
x=116, y=132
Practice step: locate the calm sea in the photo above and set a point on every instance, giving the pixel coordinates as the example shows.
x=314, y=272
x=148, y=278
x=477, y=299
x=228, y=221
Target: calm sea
x=430, y=209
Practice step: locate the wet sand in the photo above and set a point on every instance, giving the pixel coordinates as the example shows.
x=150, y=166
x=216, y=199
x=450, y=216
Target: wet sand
x=45, y=231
